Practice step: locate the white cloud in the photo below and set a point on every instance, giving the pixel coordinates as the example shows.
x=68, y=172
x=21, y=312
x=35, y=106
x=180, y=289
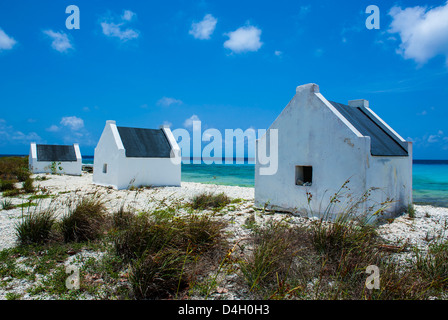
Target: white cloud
x=167, y=124
x=118, y=29
x=244, y=39
x=189, y=122
x=423, y=32
x=203, y=29
x=53, y=128
x=6, y=42
x=9, y=135
x=278, y=53
x=74, y=123
x=72, y=130
x=128, y=15
x=166, y=102
x=60, y=41
x=433, y=138
x=114, y=30
x=439, y=140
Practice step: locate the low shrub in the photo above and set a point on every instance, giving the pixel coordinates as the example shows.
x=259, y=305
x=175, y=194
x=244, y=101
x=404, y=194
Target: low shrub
x=201, y=231
x=433, y=265
x=36, y=227
x=85, y=221
x=143, y=235
x=28, y=186
x=11, y=193
x=209, y=201
x=23, y=174
x=7, y=185
x=273, y=258
x=7, y=204
x=165, y=251
x=15, y=168
x=158, y=275
x=122, y=218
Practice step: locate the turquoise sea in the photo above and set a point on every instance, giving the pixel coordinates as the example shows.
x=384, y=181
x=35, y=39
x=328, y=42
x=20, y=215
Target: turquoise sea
x=430, y=178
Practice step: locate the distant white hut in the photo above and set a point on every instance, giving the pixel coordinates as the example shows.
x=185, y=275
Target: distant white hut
x=126, y=157
x=321, y=144
x=65, y=159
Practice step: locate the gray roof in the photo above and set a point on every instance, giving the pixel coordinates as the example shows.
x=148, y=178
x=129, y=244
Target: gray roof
x=144, y=143
x=60, y=153
x=383, y=141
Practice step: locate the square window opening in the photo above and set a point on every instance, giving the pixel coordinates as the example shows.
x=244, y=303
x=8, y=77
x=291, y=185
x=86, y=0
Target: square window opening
x=304, y=175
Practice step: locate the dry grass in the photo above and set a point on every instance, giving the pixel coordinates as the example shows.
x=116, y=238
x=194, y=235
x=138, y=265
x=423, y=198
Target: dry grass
x=85, y=220
x=209, y=201
x=14, y=168
x=36, y=227
x=165, y=252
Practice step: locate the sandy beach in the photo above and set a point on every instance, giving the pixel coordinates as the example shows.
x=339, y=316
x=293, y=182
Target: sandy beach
x=429, y=223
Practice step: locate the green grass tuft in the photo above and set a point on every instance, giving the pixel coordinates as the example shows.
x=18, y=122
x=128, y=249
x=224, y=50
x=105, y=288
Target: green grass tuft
x=85, y=221
x=209, y=201
x=35, y=228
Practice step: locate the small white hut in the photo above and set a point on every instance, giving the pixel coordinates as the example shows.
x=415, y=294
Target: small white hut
x=65, y=159
x=321, y=144
x=126, y=157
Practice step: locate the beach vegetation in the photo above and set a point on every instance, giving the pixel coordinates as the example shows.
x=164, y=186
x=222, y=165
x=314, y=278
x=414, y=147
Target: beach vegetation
x=164, y=251
x=55, y=167
x=411, y=211
x=6, y=204
x=28, y=186
x=7, y=185
x=85, y=219
x=27, y=204
x=39, y=196
x=207, y=200
x=433, y=264
x=158, y=274
x=14, y=168
x=35, y=227
x=173, y=251
x=11, y=193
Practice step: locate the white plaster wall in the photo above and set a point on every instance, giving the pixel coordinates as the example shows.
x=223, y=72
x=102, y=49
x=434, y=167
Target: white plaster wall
x=68, y=167
x=148, y=172
x=310, y=132
x=393, y=178
x=123, y=172
x=110, y=151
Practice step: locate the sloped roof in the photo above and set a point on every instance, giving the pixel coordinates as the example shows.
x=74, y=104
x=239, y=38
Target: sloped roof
x=144, y=143
x=383, y=141
x=60, y=153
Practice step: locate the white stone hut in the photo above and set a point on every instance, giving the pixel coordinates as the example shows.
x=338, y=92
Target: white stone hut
x=64, y=159
x=126, y=157
x=321, y=145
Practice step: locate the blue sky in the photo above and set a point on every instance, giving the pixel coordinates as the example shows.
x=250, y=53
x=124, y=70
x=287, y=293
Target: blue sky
x=231, y=64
